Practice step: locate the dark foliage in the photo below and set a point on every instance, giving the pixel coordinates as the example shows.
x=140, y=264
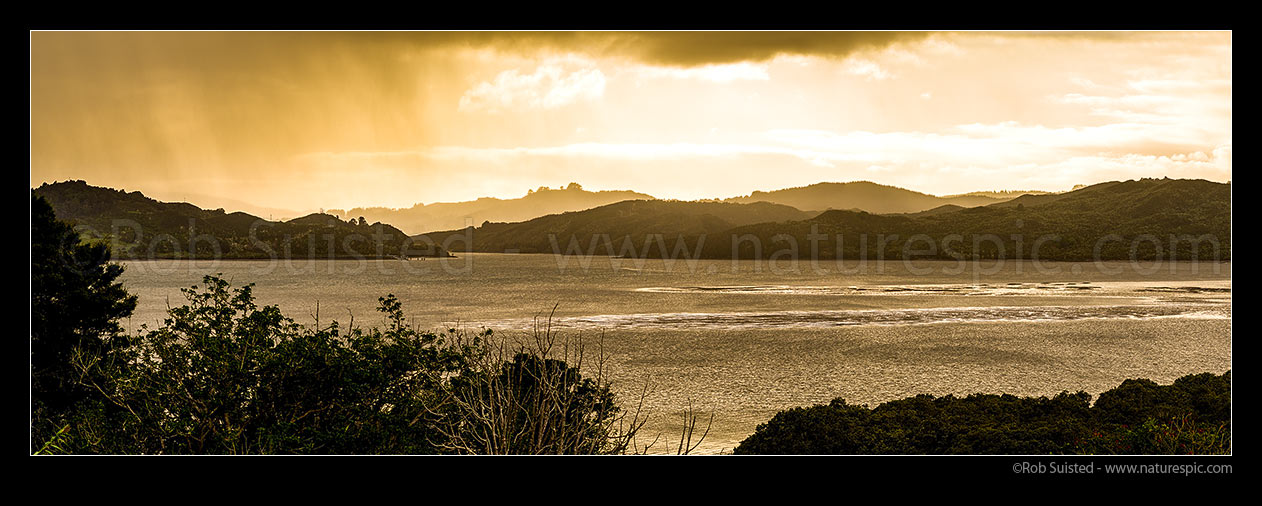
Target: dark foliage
x=223, y=375
x=75, y=307
x=1135, y=400
x=532, y=405
x=1139, y=416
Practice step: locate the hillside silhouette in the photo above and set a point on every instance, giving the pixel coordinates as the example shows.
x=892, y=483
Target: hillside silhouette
x=866, y=196
x=452, y=215
x=640, y=221
x=143, y=228
x=1114, y=217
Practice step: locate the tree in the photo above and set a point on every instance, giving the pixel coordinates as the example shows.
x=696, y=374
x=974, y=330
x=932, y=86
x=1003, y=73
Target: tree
x=76, y=304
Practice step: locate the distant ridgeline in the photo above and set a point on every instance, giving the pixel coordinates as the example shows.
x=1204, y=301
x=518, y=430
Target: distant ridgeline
x=449, y=215
x=138, y=227
x=868, y=196
x=1146, y=219
x=601, y=231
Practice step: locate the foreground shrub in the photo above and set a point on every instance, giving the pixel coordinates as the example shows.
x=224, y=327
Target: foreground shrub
x=534, y=403
x=1196, y=414
x=1137, y=400
x=225, y=376
x=927, y=425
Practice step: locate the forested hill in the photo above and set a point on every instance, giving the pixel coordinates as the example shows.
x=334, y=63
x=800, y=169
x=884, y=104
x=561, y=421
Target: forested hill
x=865, y=196
x=139, y=227
x=1117, y=218
x=1149, y=219
x=604, y=230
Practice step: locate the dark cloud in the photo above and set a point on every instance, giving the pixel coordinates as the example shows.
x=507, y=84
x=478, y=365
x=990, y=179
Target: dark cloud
x=659, y=48
x=700, y=48
x=669, y=48
x=1118, y=36
x=270, y=51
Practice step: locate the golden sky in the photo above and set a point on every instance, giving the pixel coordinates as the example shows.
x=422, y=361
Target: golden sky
x=306, y=120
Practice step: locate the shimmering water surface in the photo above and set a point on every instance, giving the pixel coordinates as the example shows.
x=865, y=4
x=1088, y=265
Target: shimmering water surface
x=746, y=339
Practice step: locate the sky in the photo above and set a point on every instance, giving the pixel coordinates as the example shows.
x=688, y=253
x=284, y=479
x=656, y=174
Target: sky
x=307, y=120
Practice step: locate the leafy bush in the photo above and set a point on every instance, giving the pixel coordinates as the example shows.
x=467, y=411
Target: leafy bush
x=225, y=376
x=1136, y=400
x=1123, y=420
x=533, y=405
x=925, y=424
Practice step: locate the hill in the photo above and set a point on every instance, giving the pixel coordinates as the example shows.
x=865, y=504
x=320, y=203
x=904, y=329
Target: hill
x=1111, y=217
x=604, y=230
x=1108, y=221
x=139, y=227
x=871, y=197
x=452, y=215
x=943, y=209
